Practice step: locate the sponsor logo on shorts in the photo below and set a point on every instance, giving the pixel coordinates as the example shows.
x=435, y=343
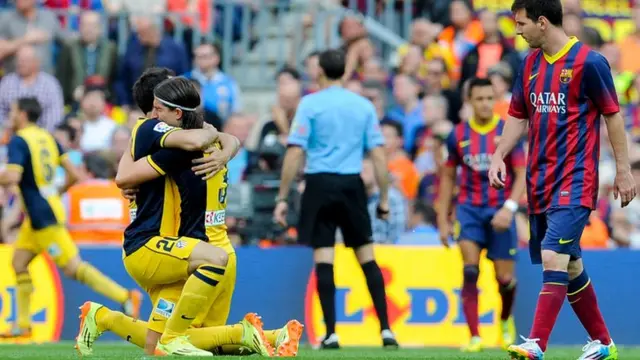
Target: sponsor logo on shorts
x=214, y=218
x=164, y=308
x=180, y=244
x=162, y=127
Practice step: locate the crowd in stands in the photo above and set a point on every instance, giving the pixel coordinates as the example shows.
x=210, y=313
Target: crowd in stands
x=73, y=67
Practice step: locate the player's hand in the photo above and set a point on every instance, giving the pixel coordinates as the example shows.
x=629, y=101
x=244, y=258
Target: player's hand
x=624, y=187
x=502, y=220
x=130, y=194
x=497, y=172
x=444, y=230
x=210, y=165
x=280, y=213
x=382, y=210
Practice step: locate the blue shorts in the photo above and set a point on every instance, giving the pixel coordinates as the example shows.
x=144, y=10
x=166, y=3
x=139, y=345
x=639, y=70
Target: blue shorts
x=558, y=229
x=473, y=223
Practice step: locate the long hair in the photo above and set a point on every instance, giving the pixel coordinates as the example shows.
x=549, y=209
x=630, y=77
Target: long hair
x=180, y=93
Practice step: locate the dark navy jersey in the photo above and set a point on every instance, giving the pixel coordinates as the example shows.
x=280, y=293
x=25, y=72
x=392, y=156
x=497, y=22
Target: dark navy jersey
x=34, y=152
x=154, y=206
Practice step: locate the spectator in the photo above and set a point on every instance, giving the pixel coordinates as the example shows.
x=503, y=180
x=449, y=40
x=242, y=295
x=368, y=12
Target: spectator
x=28, y=25
x=501, y=79
x=90, y=54
x=220, y=93
x=436, y=71
x=282, y=114
x=210, y=117
x=68, y=138
x=462, y=35
x=312, y=73
x=434, y=113
x=572, y=24
x=97, y=128
x=422, y=228
x=592, y=38
x=148, y=48
x=384, y=231
x=404, y=173
x=491, y=50
x=375, y=92
x=356, y=44
x=136, y=7
x=67, y=10
x=29, y=80
x=424, y=35
x=239, y=126
x=372, y=70
x=623, y=79
x=626, y=221
x=120, y=141
x=188, y=9
x=595, y=234
x=412, y=63
x=97, y=213
x=630, y=45
x=286, y=75
x=408, y=108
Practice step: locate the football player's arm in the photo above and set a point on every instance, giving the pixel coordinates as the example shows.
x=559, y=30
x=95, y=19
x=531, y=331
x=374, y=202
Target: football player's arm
x=190, y=140
x=448, y=178
x=217, y=159
x=516, y=124
x=520, y=174
x=297, y=144
x=132, y=174
x=373, y=144
x=72, y=175
x=18, y=153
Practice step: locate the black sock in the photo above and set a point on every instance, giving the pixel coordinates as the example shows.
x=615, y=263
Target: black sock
x=375, y=283
x=327, y=294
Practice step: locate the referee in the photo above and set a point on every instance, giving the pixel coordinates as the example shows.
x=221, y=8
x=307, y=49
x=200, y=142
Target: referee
x=335, y=127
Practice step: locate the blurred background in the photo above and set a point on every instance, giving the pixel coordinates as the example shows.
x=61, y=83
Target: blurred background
x=253, y=61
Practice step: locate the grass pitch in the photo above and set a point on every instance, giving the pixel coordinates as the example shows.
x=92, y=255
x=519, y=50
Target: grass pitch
x=117, y=350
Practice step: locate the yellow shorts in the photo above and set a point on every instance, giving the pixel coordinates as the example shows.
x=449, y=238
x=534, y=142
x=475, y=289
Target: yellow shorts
x=54, y=239
x=161, y=261
x=165, y=297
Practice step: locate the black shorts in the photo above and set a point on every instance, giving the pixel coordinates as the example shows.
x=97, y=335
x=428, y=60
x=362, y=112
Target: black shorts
x=332, y=201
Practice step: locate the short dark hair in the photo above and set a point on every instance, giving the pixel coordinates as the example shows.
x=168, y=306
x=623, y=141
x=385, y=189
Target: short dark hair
x=551, y=9
x=592, y=37
x=31, y=107
x=289, y=70
x=426, y=211
x=477, y=82
x=98, y=165
x=394, y=125
x=333, y=63
x=146, y=83
x=181, y=92
x=69, y=130
x=312, y=54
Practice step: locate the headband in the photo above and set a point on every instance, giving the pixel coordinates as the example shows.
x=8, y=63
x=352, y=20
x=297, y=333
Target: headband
x=175, y=105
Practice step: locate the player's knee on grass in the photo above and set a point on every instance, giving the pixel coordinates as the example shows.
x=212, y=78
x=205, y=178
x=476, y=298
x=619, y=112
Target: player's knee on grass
x=151, y=341
x=554, y=261
x=470, y=274
x=205, y=253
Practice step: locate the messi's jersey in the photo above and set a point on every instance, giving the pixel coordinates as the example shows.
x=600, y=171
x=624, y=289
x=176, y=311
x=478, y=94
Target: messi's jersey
x=202, y=203
x=470, y=147
x=563, y=97
x=34, y=152
x=153, y=211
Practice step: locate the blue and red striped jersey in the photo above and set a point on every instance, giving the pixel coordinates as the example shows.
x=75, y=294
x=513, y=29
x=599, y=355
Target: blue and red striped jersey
x=563, y=97
x=470, y=147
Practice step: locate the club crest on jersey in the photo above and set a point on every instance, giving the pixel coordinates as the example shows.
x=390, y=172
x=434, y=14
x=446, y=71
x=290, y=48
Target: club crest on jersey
x=162, y=127
x=566, y=75
x=180, y=244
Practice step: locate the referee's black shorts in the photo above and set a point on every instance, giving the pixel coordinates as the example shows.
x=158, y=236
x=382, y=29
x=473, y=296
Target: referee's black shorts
x=332, y=201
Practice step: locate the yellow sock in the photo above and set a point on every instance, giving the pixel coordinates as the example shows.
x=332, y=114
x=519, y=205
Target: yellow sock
x=200, y=286
x=24, y=289
x=100, y=283
x=272, y=336
x=209, y=338
x=127, y=328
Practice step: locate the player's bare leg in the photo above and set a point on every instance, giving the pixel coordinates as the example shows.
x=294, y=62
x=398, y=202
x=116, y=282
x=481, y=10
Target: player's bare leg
x=471, y=260
x=555, y=279
x=375, y=284
x=504, y=270
x=24, y=289
x=582, y=297
x=83, y=272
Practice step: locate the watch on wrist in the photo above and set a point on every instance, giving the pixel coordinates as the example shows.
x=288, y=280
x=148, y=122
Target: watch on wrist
x=280, y=199
x=511, y=205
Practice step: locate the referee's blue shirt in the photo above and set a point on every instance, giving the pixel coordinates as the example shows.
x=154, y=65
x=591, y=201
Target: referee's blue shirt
x=335, y=127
